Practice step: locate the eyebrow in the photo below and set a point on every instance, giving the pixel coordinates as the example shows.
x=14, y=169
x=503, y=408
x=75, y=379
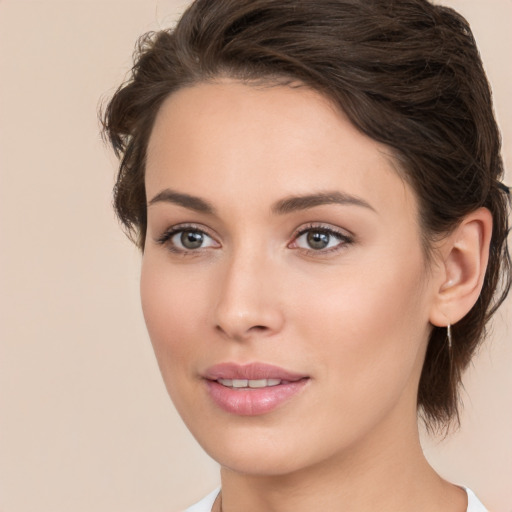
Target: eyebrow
x=187, y=201
x=281, y=207
x=295, y=203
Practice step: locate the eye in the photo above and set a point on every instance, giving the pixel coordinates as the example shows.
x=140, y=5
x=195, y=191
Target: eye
x=189, y=239
x=320, y=239
x=186, y=238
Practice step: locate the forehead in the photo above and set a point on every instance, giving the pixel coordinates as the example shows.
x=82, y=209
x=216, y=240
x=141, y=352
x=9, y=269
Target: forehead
x=264, y=142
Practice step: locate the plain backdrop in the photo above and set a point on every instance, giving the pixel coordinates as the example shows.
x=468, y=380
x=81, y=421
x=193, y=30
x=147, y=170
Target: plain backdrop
x=85, y=422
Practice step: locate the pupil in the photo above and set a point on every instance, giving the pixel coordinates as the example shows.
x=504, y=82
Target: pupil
x=191, y=239
x=318, y=240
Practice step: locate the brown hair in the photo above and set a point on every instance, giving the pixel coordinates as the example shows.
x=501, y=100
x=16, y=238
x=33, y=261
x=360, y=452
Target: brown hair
x=407, y=73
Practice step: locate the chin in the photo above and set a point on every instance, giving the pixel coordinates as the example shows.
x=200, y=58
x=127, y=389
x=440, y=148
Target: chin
x=259, y=463
x=264, y=451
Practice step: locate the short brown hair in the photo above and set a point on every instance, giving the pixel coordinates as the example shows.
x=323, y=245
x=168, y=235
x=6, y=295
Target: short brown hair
x=407, y=73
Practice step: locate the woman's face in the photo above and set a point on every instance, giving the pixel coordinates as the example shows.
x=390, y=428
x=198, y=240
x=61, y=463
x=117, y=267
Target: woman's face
x=283, y=284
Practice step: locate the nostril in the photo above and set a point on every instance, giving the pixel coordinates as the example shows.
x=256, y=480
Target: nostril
x=242, y=333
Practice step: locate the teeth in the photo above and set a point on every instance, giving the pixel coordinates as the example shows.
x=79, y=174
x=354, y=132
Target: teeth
x=261, y=383
x=247, y=383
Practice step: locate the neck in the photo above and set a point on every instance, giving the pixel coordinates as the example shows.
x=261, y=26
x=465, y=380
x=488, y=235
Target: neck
x=385, y=472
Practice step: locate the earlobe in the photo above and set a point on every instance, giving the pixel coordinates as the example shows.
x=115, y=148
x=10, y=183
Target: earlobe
x=464, y=255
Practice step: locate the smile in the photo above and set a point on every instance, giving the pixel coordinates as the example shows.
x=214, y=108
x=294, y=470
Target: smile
x=246, y=383
x=252, y=389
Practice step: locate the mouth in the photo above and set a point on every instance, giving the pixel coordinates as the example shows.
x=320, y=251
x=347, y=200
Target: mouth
x=253, y=372
x=249, y=383
x=254, y=389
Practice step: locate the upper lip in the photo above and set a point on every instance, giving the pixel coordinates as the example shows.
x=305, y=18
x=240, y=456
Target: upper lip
x=252, y=371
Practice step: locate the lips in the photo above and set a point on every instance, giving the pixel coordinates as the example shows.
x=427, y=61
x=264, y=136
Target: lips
x=252, y=389
x=253, y=371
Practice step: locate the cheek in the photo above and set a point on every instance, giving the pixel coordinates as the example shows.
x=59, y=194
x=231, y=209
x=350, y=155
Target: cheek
x=366, y=331
x=173, y=308
x=363, y=299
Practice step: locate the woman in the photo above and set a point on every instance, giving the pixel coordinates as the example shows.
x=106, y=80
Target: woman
x=316, y=189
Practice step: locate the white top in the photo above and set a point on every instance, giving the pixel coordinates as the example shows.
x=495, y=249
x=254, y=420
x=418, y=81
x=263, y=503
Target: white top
x=206, y=504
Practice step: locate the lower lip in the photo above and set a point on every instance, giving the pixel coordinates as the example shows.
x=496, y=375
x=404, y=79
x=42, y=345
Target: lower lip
x=253, y=401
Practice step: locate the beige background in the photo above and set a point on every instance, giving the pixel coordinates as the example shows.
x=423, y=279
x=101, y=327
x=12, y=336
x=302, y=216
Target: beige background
x=85, y=423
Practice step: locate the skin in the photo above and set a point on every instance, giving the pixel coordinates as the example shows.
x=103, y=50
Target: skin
x=355, y=317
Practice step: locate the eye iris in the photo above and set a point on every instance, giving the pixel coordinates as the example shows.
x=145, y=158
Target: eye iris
x=318, y=240
x=191, y=239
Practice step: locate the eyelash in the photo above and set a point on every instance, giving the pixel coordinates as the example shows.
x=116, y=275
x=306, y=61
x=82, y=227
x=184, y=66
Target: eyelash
x=165, y=238
x=342, y=237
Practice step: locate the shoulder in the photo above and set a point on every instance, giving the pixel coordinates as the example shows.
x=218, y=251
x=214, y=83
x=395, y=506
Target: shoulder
x=206, y=504
x=474, y=504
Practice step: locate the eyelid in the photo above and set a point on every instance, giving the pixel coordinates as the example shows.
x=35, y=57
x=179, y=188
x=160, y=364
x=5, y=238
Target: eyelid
x=344, y=236
x=169, y=233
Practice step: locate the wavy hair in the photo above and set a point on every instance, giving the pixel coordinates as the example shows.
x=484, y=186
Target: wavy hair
x=407, y=73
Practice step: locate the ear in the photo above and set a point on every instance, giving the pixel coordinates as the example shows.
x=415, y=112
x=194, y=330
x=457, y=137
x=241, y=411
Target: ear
x=459, y=278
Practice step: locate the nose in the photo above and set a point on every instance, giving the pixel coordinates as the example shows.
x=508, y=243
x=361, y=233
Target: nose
x=248, y=301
